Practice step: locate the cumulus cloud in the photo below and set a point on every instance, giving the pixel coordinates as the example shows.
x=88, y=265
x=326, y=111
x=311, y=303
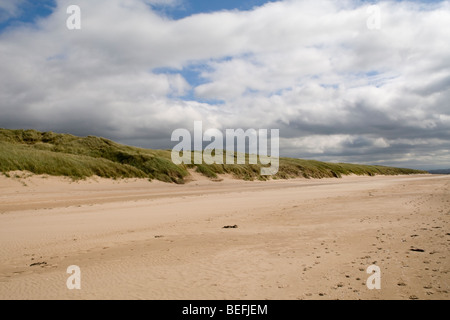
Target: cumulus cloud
x=337, y=90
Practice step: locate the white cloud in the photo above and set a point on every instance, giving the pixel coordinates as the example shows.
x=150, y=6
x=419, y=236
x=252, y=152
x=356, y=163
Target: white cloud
x=313, y=69
x=380, y=143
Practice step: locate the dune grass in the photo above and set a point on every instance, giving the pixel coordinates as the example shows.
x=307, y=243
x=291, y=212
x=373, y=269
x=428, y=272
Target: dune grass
x=81, y=157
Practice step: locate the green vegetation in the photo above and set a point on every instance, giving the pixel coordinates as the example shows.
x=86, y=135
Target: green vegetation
x=81, y=157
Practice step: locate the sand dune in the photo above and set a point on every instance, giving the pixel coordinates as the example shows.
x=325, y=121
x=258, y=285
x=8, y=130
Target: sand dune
x=296, y=239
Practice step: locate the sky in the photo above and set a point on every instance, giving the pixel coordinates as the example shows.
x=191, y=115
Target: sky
x=340, y=84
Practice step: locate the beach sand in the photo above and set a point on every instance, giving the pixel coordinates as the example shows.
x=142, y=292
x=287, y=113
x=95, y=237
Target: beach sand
x=295, y=239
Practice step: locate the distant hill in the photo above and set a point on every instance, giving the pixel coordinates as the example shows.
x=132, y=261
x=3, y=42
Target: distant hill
x=440, y=171
x=80, y=157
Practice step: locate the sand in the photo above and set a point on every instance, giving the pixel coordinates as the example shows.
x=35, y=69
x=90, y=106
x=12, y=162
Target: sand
x=295, y=239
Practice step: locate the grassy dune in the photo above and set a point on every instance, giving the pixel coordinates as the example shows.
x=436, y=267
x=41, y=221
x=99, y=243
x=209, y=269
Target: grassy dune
x=81, y=157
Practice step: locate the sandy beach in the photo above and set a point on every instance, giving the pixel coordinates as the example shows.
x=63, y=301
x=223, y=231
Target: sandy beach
x=293, y=239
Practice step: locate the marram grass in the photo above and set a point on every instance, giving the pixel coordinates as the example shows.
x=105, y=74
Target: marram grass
x=81, y=157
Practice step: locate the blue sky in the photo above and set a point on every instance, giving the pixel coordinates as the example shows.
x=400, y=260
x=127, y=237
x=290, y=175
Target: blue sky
x=336, y=89
x=188, y=8
x=28, y=12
